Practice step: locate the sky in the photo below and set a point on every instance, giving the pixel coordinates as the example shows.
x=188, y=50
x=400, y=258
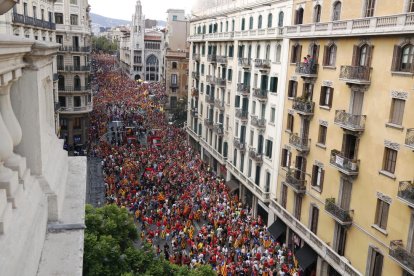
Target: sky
x=152, y=9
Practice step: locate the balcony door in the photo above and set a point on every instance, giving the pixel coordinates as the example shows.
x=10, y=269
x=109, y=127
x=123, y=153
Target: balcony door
x=263, y=83
x=305, y=128
x=242, y=134
x=300, y=166
x=357, y=100
x=75, y=42
x=260, y=144
x=246, y=78
x=349, y=146
x=245, y=104
x=308, y=91
x=344, y=198
x=339, y=239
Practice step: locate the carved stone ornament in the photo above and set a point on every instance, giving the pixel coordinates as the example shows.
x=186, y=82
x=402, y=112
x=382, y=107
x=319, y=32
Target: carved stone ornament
x=391, y=145
x=399, y=95
x=384, y=197
x=327, y=83
x=294, y=78
x=323, y=123
x=291, y=111
x=288, y=148
x=319, y=164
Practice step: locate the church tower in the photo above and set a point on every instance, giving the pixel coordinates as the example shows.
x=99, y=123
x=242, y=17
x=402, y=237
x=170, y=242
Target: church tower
x=137, y=41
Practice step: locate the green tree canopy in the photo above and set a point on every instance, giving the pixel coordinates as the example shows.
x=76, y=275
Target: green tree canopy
x=101, y=43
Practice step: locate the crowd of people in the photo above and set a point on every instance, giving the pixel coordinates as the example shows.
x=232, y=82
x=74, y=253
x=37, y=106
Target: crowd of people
x=181, y=207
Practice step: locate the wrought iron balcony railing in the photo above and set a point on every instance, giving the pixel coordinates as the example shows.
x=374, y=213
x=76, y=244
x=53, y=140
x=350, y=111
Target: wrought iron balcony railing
x=209, y=99
x=340, y=215
x=27, y=20
x=196, y=57
x=255, y=155
x=344, y=164
x=402, y=256
x=74, y=49
x=307, y=69
x=194, y=112
x=300, y=143
x=406, y=193
x=174, y=85
x=242, y=114
x=212, y=58
x=243, y=89
x=299, y=185
x=208, y=122
x=245, y=62
x=73, y=88
x=258, y=122
x=218, y=129
x=409, y=138
x=241, y=146
x=355, y=74
x=77, y=68
x=303, y=106
x=195, y=75
x=350, y=121
x=260, y=94
x=219, y=104
x=262, y=64
x=221, y=59
x=220, y=81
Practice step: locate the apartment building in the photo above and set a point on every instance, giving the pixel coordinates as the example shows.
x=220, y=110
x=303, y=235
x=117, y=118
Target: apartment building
x=345, y=189
x=237, y=61
x=176, y=62
x=73, y=32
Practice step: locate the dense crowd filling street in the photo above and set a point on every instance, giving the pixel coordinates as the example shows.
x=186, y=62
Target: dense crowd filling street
x=180, y=206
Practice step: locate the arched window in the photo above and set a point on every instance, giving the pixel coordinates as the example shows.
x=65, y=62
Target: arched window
x=232, y=25
x=280, y=21
x=363, y=55
x=269, y=20
x=330, y=55
x=407, y=54
x=204, y=29
x=267, y=52
x=76, y=83
x=258, y=52
x=174, y=65
x=317, y=13
x=278, y=52
x=199, y=30
x=259, y=22
x=336, y=13
x=299, y=16
x=221, y=27
x=251, y=23
x=227, y=26
x=243, y=23
x=215, y=27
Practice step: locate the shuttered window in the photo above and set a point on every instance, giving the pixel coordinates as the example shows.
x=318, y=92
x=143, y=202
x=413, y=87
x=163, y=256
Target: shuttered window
x=390, y=160
x=318, y=175
x=290, y=121
x=273, y=84
x=403, y=58
x=326, y=96
x=397, y=111
x=369, y=8
x=381, y=215
x=314, y=219
x=322, y=134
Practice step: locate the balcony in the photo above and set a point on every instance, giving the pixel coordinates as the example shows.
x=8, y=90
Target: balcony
x=307, y=70
x=208, y=122
x=255, y=155
x=212, y=58
x=194, y=92
x=245, y=63
x=350, y=121
x=298, y=185
x=355, y=74
x=27, y=20
x=243, y=89
x=260, y=94
x=221, y=59
x=220, y=81
x=409, y=138
x=402, y=256
x=196, y=57
x=344, y=164
x=406, y=193
x=242, y=114
x=262, y=64
x=219, y=104
x=174, y=85
x=258, y=122
x=75, y=49
x=342, y=216
x=218, y=129
x=241, y=146
x=195, y=75
x=74, y=89
x=303, y=106
x=194, y=112
x=78, y=109
x=299, y=143
x=77, y=68
x=209, y=99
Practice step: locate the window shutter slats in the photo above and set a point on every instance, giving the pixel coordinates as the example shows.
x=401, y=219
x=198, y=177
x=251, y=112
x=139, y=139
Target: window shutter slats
x=355, y=55
x=396, y=58
x=325, y=55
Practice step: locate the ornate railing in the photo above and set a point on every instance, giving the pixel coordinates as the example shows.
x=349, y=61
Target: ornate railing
x=343, y=216
x=409, y=138
x=71, y=68
x=298, y=184
x=27, y=20
x=350, y=121
x=195, y=75
x=262, y=63
x=244, y=89
x=299, y=143
x=74, y=49
x=406, y=192
x=303, y=106
x=355, y=74
x=194, y=112
x=219, y=103
x=196, y=57
x=208, y=122
x=344, y=164
x=242, y=114
x=212, y=58
x=402, y=255
x=174, y=85
x=255, y=155
x=244, y=62
x=218, y=129
x=221, y=59
x=209, y=99
x=306, y=69
x=258, y=122
x=73, y=88
x=260, y=94
x=239, y=145
x=220, y=81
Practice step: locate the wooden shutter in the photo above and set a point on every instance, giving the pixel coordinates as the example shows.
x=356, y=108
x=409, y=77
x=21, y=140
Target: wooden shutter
x=322, y=178
x=298, y=53
x=396, y=58
x=325, y=55
x=355, y=55
x=284, y=158
x=293, y=54
x=370, y=52
x=314, y=175
x=330, y=96
x=384, y=214
x=316, y=55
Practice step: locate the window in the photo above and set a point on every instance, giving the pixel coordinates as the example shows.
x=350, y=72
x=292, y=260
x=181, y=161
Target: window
x=322, y=134
x=267, y=186
x=174, y=65
x=375, y=261
x=270, y=19
x=63, y=123
x=369, y=8
x=280, y=20
x=317, y=14
x=59, y=18
x=286, y=155
x=362, y=55
x=59, y=39
x=229, y=74
x=292, y=89
x=258, y=52
x=259, y=22
x=249, y=172
x=296, y=53
x=231, y=51
x=232, y=25
x=411, y=6
x=243, y=22
x=381, y=214
x=283, y=195
x=173, y=102
x=336, y=13
x=298, y=206
x=267, y=57
x=174, y=79
x=397, y=111
x=278, y=52
x=269, y=148
x=74, y=2
x=403, y=58
x=227, y=26
x=34, y=12
x=329, y=58
x=390, y=160
x=299, y=16
x=314, y=217
x=76, y=101
x=202, y=70
x=237, y=101
x=290, y=121
x=272, y=114
x=62, y=101
x=77, y=123
x=273, y=84
x=251, y=23
x=318, y=174
x=73, y=19
x=326, y=96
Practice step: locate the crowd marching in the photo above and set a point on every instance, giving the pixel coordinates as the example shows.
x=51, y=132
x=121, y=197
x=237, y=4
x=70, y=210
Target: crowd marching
x=180, y=206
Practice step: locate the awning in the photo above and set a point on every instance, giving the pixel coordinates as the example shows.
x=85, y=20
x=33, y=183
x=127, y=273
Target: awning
x=232, y=185
x=277, y=228
x=306, y=256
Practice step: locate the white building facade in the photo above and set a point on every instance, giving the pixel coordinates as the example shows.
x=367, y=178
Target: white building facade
x=237, y=83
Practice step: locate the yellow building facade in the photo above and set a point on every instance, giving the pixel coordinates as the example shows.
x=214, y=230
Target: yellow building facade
x=345, y=183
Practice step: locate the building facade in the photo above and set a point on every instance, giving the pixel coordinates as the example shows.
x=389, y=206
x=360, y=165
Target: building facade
x=345, y=185
x=176, y=62
x=73, y=32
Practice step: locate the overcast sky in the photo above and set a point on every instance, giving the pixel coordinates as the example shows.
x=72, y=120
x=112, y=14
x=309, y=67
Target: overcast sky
x=152, y=9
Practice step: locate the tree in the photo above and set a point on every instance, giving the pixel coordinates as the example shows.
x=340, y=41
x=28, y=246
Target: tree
x=101, y=43
x=109, y=248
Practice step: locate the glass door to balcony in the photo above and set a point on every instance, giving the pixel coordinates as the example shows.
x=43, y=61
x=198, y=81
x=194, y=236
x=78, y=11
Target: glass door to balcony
x=307, y=91
x=357, y=99
x=305, y=129
x=246, y=78
x=300, y=167
x=264, y=82
x=242, y=134
x=345, y=194
x=349, y=146
x=339, y=239
x=75, y=42
x=260, y=144
x=245, y=104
